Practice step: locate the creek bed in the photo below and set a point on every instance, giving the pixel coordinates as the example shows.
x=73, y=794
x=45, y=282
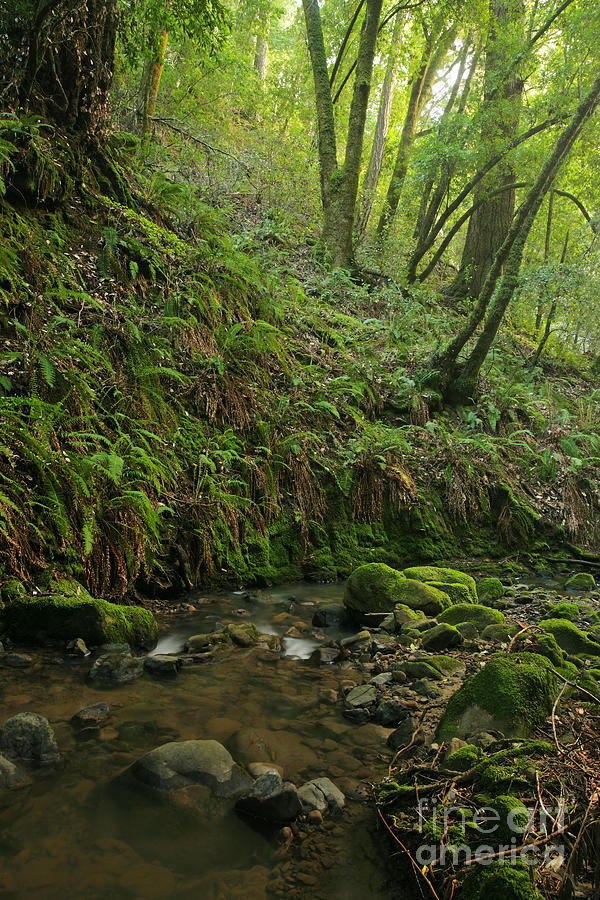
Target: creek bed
x=74, y=833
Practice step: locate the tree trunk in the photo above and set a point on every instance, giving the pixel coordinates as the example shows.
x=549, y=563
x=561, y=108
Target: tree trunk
x=490, y=223
x=151, y=80
x=339, y=186
x=371, y=179
x=547, y=330
x=261, y=53
x=59, y=63
x=420, y=89
x=458, y=386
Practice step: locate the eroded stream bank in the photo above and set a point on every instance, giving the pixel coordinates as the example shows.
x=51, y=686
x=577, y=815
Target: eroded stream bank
x=73, y=834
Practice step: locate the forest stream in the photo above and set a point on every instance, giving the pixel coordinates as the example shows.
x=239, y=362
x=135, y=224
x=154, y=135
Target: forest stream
x=75, y=832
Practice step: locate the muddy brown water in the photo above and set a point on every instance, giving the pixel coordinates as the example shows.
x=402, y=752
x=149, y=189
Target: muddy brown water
x=76, y=833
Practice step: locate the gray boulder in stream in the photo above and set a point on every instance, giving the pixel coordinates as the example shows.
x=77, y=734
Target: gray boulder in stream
x=186, y=764
x=29, y=737
x=322, y=794
x=113, y=669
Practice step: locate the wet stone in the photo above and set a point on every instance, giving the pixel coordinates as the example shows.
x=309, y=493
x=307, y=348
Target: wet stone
x=402, y=736
x=77, y=648
x=329, y=616
x=271, y=800
x=91, y=716
x=322, y=795
x=361, y=695
x=29, y=737
x=114, y=669
x=383, y=678
x=11, y=776
x=16, y=660
x=162, y=665
x=358, y=716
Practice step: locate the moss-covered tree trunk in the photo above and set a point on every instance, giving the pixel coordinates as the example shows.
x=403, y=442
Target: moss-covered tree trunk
x=339, y=185
x=151, y=81
x=459, y=382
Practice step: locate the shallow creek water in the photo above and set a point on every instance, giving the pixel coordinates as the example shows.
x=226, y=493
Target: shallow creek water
x=75, y=833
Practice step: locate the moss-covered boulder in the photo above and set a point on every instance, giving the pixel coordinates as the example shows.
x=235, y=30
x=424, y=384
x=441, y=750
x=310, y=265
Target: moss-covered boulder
x=442, y=637
x=570, y=638
x=443, y=575
x=377, y=588
x=582, y=581
x=478, y=615
x=458, y=593
x=68, y=611
x=405, y=617
x=373, y=587
x=562, y=611
x=489, y=590
x=511, y=694
x=498, y=882
x=500, y=634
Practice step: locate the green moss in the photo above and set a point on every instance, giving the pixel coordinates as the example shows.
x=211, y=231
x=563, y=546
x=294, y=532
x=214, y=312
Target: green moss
x=489, y=590
x=513, y=817
x=478, y=615
x=373, y=587
x=498, y=882
x=71, y=612
x=463, y=759
x=499, y=633
x=545, y=645
x=444, y=575
x=510, y=694
x=405, y=616
x=562, y=611
x=458, y=593
x=570, y=638
x=441, y=637
x=448, y=665
x=582, y=581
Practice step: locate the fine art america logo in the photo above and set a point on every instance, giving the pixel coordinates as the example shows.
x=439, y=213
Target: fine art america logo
x=523, y=834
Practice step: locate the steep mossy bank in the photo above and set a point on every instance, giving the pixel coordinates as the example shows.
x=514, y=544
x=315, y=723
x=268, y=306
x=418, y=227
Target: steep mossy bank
x=177, y=411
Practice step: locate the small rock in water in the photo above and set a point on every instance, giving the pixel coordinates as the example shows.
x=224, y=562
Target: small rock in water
x=329, y=616
x=91, y=716
x=325, y=656
x=29, y=737
x=315, y=817
x=358, y=716
x=403, y=735
x=77, y=647
x=162, y=664
x=11, y=777
x=116, y=668
x=322, y=795
x=16, y=660
x=271, y=799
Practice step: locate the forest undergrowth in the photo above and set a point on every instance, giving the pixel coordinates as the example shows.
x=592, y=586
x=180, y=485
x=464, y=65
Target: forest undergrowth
x=188, y=396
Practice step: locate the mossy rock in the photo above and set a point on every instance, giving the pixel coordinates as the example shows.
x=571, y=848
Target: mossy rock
x=373, y=587
x=448, y=665
x=489, y=590
x=582, y=581
x=478, y=615
x=442, y=575
x=511, y=694
x=405, y=616
x=244, y=635
x=500, y=634
x=570, y=638
x=201, y=643
x=376, y=587
x=69, y=612
x=545, y=645
x=458, y=593
x=498, y=882
x=562, y=611
x=463, y=759
x=442, y=637
x=513, y=817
